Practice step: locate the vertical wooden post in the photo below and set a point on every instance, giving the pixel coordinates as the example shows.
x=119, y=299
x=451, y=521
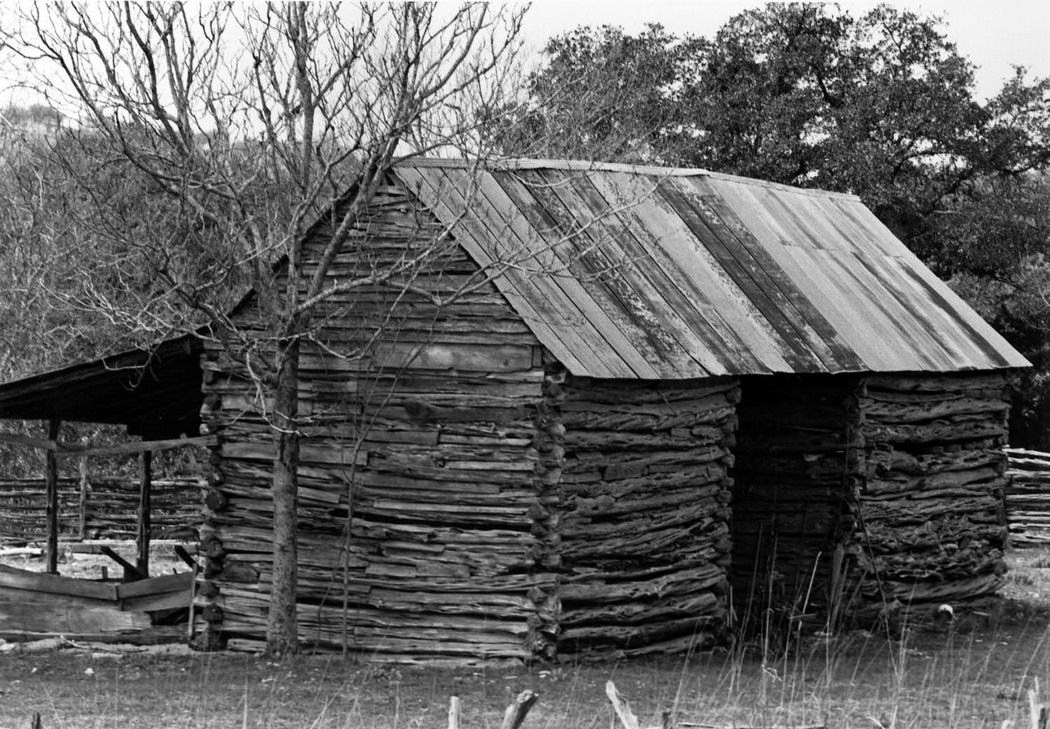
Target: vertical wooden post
x=453, y=712
x=82, y=467
x=51, y=490
x=145, y=486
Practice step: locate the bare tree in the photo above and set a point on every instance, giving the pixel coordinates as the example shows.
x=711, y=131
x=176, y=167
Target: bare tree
x=242, y=124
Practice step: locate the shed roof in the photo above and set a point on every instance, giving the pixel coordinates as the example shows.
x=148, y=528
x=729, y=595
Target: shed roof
x=656, y=273
x=154, y=393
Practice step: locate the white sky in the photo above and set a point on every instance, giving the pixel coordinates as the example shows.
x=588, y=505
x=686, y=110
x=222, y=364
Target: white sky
x=992, y=34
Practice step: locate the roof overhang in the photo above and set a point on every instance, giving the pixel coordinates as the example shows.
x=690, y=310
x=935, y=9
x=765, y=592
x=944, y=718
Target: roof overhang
x=156, y=393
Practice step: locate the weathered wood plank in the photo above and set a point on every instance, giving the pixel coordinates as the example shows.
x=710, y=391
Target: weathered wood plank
x=29, y=582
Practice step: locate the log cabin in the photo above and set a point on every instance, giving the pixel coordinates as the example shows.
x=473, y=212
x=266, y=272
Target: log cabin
x=597, y=409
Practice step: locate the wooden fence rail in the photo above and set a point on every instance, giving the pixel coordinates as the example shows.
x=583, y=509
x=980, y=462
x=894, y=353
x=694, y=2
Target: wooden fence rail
x=1028, y=497
x=107, y=509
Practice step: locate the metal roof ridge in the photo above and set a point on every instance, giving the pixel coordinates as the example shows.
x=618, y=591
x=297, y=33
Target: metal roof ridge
x=526, y=163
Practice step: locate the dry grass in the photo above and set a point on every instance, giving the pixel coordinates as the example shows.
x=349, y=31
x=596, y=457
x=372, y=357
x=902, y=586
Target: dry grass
x=972, y=675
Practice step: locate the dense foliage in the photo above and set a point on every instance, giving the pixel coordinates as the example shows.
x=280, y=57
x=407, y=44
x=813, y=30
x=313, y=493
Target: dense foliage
x=881, y=105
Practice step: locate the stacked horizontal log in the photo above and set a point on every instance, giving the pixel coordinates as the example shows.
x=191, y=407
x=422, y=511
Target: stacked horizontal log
x=931, y=524
x=1028, y=497
x=421, y=517
x=797, y=451
x=111, y=509
x=644, y=527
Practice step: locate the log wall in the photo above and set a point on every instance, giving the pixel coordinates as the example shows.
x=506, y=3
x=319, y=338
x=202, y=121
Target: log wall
x=645, y=525
x=931, y=524
x=111, y=509
x=1028, y=498
x=797, y=459
x=422, y=500
x=459, y=496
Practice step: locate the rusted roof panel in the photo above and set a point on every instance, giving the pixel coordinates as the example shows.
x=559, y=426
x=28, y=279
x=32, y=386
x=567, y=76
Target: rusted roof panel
x=652, y=273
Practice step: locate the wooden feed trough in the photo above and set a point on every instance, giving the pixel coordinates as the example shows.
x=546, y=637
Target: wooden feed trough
x=35, y=605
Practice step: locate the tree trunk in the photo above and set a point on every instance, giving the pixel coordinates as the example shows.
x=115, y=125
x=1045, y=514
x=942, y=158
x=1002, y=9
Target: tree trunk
x=282, y=632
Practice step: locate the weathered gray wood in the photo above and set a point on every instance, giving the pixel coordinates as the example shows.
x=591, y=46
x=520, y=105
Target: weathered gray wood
x=24, y=612
x=51, y=496
x=131, y=571
x=142, y=537
x=1027, y=498
x=82, y=506
x=453, y=712
x=515, y=714
x=620, y=707
x=933, y=525
x=16, y=579
x=179, y=582
x=661, y=503
x=42, y=604
x=111, y=508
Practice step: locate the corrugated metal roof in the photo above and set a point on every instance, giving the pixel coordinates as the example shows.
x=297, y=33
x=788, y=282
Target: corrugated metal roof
x=653, y=273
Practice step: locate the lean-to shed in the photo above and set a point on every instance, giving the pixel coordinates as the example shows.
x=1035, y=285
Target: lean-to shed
x=608, y=409
x=155, y=394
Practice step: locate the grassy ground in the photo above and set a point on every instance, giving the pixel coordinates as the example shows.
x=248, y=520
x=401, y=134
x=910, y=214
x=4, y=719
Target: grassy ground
x=974, y=675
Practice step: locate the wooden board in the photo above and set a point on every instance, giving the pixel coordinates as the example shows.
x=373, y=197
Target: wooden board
x=35, y=582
